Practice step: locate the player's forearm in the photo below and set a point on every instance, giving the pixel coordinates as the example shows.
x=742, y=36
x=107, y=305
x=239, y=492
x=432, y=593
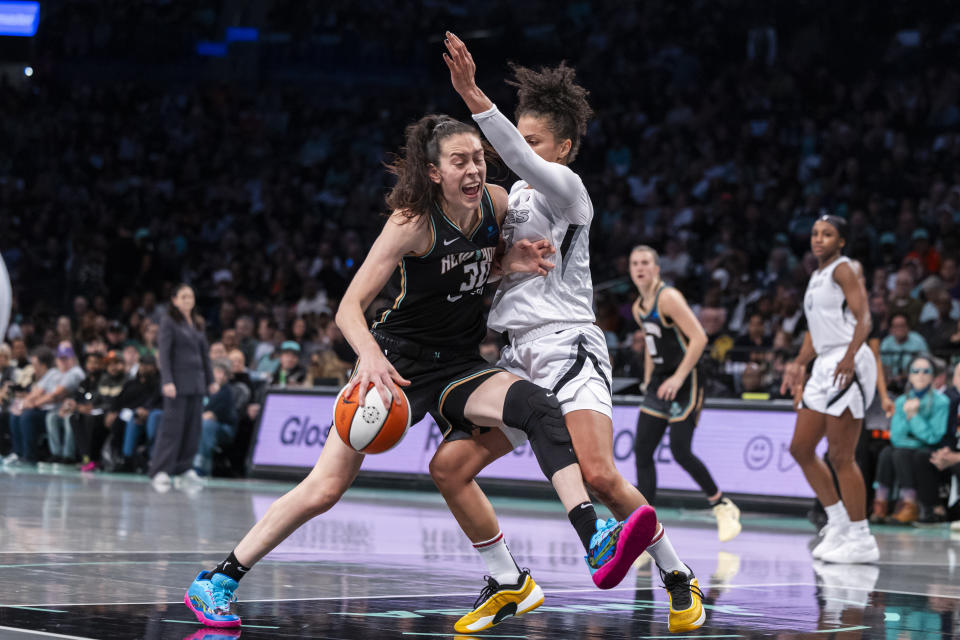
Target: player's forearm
x=807, y=352
x=558, y=183
x=860, y=334
x=353, y=325
x=476, y=100
x=692, y=356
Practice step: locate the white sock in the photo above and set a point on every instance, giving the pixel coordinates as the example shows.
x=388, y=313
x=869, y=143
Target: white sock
x=837, y=514
x=860, y=528
x=500, y=563
x=663, y=552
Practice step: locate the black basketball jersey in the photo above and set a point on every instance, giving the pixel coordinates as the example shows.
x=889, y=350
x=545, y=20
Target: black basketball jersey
x=665, y=342
x=438, y=296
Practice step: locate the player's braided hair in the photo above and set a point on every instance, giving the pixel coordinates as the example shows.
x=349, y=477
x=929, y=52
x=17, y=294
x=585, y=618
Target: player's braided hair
x=414, y=191
x=553, y=93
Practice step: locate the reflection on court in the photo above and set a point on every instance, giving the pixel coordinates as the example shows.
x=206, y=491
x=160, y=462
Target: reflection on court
x=106, y=557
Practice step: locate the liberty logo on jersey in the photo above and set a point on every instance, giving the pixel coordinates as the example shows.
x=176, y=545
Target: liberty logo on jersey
x=455, y=259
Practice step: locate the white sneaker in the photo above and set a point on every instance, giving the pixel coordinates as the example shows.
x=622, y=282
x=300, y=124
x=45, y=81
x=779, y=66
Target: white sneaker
x=832, y=537
x=161, y=482
x=10, y=458
x=955, y=525
x=189, y=478
x=854, y=549
x=728, y=520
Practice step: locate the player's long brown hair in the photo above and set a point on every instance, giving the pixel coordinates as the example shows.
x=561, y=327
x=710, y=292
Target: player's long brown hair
x=414, y=191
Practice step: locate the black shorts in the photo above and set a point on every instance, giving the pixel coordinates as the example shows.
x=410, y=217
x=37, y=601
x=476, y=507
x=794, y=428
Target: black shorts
x=687, y=403
x=441, y=380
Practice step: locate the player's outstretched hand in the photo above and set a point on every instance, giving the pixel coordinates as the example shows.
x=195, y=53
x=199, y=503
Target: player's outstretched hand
x=528, y=257
x=792, y=378
x=460, y=62
x=375, y=369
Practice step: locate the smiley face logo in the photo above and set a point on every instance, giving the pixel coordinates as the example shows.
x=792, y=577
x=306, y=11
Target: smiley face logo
x=758, y=453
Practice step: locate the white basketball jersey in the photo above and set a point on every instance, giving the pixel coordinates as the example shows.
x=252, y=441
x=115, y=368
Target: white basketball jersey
x=829, y=319
x=525, y=301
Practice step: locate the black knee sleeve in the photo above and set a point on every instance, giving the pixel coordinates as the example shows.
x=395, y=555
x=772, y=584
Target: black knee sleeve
x=536, y=412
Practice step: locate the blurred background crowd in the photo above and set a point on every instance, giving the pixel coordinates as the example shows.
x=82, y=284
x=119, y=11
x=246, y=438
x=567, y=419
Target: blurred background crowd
x=130, y=162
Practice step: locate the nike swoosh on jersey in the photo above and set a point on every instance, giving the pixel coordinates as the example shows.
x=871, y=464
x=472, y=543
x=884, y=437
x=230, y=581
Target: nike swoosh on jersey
x=453, y=298
x=447, y=243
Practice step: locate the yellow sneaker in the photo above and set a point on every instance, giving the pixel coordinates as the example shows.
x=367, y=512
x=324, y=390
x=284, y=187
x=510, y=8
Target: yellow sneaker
x=686, y=601
x=728, y=520
x=498, y=602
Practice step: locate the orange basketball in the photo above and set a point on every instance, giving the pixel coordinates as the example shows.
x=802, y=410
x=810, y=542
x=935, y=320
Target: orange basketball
x=371, y=428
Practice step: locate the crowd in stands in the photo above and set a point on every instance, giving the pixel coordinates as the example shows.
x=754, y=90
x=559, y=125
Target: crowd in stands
x=721, y=131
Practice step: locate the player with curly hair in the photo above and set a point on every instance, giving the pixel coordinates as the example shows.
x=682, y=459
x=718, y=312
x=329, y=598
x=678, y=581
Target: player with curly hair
x=549, y=321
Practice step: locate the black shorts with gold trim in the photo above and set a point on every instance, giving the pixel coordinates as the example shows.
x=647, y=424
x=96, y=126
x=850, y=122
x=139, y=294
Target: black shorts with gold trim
x=686, y=405
x=441, y=381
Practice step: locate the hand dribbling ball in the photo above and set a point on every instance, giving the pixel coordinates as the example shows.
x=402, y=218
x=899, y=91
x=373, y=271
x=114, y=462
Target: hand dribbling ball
x=372, y=428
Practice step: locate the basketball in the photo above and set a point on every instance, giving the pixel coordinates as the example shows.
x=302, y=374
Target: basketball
x=371, y=428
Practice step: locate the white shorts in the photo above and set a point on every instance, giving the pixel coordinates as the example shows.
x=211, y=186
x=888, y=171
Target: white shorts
x=573, y=363
x=822, y=395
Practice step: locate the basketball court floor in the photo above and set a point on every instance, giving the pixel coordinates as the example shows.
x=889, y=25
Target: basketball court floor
x=105, y=556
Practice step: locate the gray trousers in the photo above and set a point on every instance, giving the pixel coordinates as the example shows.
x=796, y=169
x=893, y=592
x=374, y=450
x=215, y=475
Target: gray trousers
x=178, y=436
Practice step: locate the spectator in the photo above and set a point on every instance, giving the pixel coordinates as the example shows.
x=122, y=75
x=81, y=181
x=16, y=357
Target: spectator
x=301, y=333
x=26, y=416
x=247, y=341
x=74, y=408
x=138, y=407
x=675, y=263
x=229, y=342
x=313, y=301
x=131, y=361
x=633, y=363
x=950, y=277
x=217, y=351
x=186, y=375
x=902, y=299
x=290, y=373
x=938, y=330
x=59, y=405
x=754, y=345
x=7, y=383
x=116, y=336
x=239, y=374
x=899, y=347
x=219, y=418
x=265, y=330
x=95, y=396
x=18, y=353
x=923, y=254
x=148, y=333
x=150, y=310
x=942, y=463
x=919, y=423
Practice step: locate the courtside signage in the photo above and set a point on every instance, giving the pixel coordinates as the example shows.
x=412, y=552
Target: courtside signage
x=747, y=451
x=19, y=18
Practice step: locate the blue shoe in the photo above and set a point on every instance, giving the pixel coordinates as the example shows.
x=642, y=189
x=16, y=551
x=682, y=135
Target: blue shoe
x=615, y=546
x=210, y=600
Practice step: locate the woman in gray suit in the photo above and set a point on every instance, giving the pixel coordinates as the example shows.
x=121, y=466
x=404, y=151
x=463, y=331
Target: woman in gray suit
x=186, y=376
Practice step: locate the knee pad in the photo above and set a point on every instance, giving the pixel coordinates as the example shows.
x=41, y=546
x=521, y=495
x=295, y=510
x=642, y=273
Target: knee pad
x=533, y=409
x=537, y=413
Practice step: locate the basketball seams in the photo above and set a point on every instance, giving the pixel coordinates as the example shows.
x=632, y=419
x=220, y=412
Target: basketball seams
x=357, y=431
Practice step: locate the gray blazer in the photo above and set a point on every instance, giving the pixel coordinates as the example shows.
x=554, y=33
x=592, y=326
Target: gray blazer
x=184, y=357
